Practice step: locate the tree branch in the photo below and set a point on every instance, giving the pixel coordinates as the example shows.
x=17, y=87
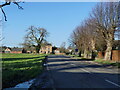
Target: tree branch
x=6, y=3
x=4, y=14
x=19, y=7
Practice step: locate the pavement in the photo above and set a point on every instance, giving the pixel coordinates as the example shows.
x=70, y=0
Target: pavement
x=67, y=72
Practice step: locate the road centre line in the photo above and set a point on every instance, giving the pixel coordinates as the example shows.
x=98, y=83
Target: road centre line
x=112, y=83
x=86, y=70
x=73, y=64
x=81, y=68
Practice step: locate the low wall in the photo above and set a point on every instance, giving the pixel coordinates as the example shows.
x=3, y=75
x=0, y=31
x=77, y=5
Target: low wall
x=100, y=55
x=59, y=53
x=15, y=52
x=116, y=55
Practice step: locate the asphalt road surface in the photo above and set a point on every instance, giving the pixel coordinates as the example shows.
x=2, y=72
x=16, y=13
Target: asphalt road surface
x=68, y=72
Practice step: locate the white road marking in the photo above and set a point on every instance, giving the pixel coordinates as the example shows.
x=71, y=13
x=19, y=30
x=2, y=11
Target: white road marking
x=81, y=68
x=86, y=70
x=112, y=83
x=72, y=64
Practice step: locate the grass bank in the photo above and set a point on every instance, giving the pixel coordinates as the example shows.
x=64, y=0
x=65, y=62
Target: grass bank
x=108, y=62
x=104, y=62
x=17, y=68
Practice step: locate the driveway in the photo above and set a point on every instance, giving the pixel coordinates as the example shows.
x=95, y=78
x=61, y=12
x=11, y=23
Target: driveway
x=68, y=72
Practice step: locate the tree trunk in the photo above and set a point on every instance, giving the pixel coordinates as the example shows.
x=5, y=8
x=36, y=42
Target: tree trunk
x=93, y=44
x=93, y=49
x=85, y=54
x=37, y=48
x=79, y=53
x=108, y=51
x=93, y=55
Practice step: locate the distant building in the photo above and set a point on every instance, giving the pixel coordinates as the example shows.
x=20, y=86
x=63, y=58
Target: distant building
x=7, y=50
x=15, y=50
x=47, y=49
x=18, y=50
x=57, y=52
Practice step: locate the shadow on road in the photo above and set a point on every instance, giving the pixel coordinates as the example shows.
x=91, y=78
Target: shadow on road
x=69, y=59
x=70, y=75
x=84, y=80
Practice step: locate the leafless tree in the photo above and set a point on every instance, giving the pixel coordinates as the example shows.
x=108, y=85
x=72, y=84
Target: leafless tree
x=8, y=2
x=35, y=37
x=87, y=39
x=106, y=19
x=97, y=32
x=62, y=47
x=81, y=38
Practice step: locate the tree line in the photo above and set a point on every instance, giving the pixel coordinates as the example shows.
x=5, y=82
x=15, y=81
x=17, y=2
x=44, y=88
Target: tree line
x=98, y=31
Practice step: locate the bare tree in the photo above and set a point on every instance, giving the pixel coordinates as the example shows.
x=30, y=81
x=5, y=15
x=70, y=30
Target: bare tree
x=106, y=18
x=62, y=47
x=35, y=37
x=8, y=2
x=80, y=37
x=86, y=38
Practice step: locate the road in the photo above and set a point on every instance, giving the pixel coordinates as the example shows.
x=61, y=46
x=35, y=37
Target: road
x=68, y=72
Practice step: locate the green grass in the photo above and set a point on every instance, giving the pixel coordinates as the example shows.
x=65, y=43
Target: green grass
x=17, y=68
x=108, y=62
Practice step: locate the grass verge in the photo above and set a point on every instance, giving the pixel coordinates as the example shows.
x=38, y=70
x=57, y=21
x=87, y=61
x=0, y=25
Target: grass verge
x=104, y=62
x=17, y=68
x=108, y=62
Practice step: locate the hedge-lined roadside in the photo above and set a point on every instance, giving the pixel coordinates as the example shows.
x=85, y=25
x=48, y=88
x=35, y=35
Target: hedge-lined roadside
x=17, y=68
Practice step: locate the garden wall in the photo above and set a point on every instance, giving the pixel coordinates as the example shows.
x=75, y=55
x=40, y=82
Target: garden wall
x=115, y=55
x=16, y=51
x=101, y=55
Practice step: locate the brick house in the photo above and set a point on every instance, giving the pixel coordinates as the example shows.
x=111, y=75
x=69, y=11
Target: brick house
x=15, y=50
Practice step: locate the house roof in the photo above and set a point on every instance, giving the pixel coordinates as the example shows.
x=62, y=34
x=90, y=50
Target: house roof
x=11, y=49
x=16, y=49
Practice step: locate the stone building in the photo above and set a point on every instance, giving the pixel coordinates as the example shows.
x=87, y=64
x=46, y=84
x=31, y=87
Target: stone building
x=47, y=49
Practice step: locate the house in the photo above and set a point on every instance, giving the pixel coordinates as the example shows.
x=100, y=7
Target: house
x=15, y=50
x=7, y=50
x=18, y=50
x=57, y=52
x=30, y=51
x=47, y=49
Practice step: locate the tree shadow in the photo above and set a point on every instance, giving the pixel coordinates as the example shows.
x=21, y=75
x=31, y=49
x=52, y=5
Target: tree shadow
x=84, y=80
x=10, y=59
x=77, y=66
x=70, y=75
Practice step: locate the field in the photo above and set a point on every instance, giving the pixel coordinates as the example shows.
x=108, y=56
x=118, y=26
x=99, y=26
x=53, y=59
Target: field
x=17, y=68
